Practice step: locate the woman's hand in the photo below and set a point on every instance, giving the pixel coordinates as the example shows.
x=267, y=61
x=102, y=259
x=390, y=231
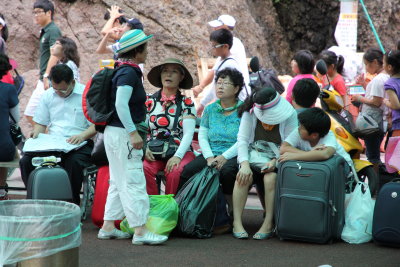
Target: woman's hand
x=287, y=156
x=210, y=161
x=244, y=176
x=149, y=156
x=270, y=166
x=171, y=163
x=219, y=161
x=136, y=140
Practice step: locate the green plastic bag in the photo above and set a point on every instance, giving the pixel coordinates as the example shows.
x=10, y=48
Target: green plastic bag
x=163, y=215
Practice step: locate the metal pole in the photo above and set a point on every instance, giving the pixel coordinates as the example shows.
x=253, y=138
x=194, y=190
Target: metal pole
x=371, y=24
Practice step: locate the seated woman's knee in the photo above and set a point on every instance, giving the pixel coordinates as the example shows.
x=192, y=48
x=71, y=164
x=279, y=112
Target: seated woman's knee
x=269, y=181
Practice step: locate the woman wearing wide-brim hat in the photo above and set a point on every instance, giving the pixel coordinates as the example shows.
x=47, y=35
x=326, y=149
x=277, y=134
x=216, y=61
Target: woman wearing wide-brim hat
x=269, y=117
x=162, y=107
x=123, y=140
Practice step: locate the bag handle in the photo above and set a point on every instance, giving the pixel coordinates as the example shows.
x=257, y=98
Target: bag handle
x=12, y=118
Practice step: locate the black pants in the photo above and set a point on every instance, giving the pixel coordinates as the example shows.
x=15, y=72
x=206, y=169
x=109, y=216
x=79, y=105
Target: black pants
x=73, y=162
x=227, y=174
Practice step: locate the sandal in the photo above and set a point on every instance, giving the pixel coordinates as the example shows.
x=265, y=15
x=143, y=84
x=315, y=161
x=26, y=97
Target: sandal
x=240, y=235
x=262, y=236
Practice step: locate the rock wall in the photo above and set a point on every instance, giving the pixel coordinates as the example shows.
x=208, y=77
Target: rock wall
x=270, y=29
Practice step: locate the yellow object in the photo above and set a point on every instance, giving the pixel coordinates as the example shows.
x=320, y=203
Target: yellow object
x=360, y=164
x=348, y=141
x=332, y=99
x=106, y=63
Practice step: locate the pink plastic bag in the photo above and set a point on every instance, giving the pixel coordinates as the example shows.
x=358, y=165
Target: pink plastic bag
x=392, y=155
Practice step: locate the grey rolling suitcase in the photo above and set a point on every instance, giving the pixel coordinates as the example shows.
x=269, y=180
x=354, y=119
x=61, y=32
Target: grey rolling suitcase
x=309, y=200
x=49, y=182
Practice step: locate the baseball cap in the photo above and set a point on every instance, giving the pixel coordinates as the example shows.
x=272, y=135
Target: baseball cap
x=223, y=20
x=135, y=24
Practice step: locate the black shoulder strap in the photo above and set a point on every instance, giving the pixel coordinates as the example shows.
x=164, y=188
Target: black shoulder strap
x=178, y=112
x=222, y=63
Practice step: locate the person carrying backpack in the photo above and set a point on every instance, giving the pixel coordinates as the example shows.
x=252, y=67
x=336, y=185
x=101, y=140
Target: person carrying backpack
x=127, y=194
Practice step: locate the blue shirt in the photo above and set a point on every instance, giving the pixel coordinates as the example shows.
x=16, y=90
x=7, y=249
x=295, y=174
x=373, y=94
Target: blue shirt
x=222, y=130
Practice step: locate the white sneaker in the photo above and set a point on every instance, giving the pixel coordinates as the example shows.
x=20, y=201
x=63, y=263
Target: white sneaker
x=114, y=234
x=149, y=238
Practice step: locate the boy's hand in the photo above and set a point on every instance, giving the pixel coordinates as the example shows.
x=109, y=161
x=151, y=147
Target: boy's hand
x=287, y=156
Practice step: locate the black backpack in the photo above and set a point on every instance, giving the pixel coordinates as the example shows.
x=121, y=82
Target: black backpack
x=96, y=97
x=266, y=78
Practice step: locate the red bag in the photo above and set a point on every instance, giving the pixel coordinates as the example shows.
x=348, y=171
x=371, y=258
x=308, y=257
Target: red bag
x=100, y=197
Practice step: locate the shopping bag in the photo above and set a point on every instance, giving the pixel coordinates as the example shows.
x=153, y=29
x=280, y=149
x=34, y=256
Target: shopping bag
x=163, y=215
x=392, y=155
x=358, y=216
x=197, y=202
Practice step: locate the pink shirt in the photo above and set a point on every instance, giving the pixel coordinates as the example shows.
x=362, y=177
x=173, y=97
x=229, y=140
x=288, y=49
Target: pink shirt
x=293, y=82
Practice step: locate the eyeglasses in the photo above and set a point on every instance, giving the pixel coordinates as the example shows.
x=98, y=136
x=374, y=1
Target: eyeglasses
x=36, y=13
x=216, y=46
x=65, y=90
x=224, y=84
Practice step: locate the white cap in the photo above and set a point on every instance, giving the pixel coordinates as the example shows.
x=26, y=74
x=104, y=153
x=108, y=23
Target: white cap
x=223, y=20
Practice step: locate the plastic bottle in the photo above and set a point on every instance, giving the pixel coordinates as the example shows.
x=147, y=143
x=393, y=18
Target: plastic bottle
x=38, y=161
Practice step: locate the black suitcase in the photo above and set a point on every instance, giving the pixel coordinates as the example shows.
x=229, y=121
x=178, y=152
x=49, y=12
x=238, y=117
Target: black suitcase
x=386, y=221
x=309, y=200
x=49, y=182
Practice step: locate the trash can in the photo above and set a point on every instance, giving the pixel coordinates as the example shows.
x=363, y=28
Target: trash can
x=39, y=233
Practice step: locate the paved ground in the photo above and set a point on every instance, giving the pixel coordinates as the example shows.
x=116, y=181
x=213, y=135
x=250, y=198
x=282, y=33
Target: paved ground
x=224, y=250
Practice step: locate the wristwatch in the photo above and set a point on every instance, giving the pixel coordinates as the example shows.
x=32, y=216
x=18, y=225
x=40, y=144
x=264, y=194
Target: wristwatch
x=45, y=75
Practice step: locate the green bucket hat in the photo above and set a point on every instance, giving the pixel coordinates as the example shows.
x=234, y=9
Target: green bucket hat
x=154, y=75
x=132, y=39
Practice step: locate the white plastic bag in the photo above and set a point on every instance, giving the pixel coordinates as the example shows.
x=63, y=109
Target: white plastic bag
x=358, y=216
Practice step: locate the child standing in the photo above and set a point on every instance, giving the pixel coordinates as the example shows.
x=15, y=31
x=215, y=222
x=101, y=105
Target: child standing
x=335, y=69
x=303, y=66
x=372, y=102
x=391, y=64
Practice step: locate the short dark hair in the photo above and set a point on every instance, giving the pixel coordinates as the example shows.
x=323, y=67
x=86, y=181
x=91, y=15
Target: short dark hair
x=5, y=65
x=330, y=58
x=305, y=92
x=46, y=5
x=393, y=58
x=222, y=36
x=133, y=52
x=235, y=76
x=61, y=72
x=4, y=31
x=305, y=61
x=315, y=120
x=374, y=53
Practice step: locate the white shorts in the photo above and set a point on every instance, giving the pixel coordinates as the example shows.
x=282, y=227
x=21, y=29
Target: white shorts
x=35, y=99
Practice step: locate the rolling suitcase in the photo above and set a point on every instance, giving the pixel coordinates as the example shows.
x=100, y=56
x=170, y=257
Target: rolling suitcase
x=49, y=181
x=309, y=200
x=386, y=221
x=100, y=197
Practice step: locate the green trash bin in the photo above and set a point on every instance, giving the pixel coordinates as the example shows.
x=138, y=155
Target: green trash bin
x=39, y=233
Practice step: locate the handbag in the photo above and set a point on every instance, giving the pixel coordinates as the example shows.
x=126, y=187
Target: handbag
x=163, y=147
x=15, y=131
x=365, y=125
x=261, y=152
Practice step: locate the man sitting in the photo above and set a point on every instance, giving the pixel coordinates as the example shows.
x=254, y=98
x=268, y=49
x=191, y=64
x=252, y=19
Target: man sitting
x=60, y=112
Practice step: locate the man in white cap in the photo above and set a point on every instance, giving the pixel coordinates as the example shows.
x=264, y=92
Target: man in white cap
x=237, y=52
